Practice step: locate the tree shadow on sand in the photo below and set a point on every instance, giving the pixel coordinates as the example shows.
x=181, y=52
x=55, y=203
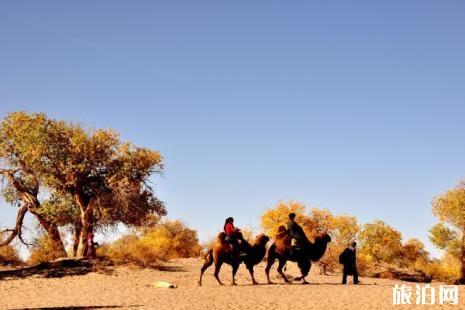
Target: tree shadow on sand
x=59, y=268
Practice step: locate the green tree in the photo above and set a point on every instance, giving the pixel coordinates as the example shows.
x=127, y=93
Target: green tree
x=449, y=233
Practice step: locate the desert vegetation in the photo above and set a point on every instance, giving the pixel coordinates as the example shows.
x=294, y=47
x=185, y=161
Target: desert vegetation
x=75, y=182
x=149, y=246
x=382, y=250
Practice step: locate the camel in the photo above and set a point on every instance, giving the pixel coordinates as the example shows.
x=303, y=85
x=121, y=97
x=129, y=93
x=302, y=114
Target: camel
x=222, y=252
x=309, y=252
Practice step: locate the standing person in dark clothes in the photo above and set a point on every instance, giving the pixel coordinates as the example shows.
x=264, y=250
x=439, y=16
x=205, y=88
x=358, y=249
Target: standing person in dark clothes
x=348, y=259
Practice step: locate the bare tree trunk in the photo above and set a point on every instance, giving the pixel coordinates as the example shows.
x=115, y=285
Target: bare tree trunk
x=16, y=231
x=85, y=231
x=52, y=232
x=29, y=197
x=77, y=233
x=86, y=224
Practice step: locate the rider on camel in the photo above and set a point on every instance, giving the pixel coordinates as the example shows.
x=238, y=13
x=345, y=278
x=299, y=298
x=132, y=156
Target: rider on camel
x=231, y=235
x=296, y=232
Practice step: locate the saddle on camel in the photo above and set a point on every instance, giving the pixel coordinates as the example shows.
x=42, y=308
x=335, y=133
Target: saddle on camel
x=292, y=244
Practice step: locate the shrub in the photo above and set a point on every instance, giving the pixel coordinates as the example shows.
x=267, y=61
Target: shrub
x=447, y=269
x=43, y=250
x=164, y=241
x=380, y=241
x=9, y=256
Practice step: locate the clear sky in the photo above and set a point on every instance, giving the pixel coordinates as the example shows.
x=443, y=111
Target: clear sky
x=354, y=106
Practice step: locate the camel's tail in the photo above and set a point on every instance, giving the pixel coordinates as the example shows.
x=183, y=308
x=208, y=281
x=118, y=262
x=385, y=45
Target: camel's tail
x=208, y=255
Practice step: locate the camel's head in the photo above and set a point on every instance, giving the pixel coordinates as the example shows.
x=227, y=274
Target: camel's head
x=262, y=239
x=323, y=237
x=318, y=248
x=238, y=235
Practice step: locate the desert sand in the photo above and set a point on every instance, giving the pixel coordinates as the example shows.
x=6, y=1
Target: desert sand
x=133, y=288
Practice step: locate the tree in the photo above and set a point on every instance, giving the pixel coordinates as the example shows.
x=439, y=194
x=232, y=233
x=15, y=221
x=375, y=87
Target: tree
x=342, y=228
x=380, y=241
x=279, y=215
x=19, y=134
x=413, y=250
x=91, y=173
x=345, y=229
x=172, y=239
x=8, y=255
x=449, y=233
x=150, y=245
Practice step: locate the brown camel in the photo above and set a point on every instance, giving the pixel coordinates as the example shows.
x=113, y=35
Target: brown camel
x=222, y=252
x=283, y=252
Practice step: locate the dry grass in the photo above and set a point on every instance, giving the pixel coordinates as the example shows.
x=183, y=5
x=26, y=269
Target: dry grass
x=43, y=251
x=9, y=256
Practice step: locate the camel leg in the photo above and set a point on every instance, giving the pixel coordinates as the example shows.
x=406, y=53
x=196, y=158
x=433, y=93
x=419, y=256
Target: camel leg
x=234, y=271
x=282, y=263
x=269, y=263
x=217, y=270
x=208, y=262
x=304, y=267
x=250, y=268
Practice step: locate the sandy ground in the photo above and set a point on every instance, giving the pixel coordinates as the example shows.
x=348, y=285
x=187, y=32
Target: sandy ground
x=132, y=288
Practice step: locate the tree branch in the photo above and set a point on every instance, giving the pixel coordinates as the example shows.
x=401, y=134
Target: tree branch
x=16, y=231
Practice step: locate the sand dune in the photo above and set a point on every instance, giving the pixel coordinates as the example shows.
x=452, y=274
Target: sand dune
x=132, y=288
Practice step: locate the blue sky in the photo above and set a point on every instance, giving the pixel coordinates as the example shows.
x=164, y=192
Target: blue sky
x=354, y=106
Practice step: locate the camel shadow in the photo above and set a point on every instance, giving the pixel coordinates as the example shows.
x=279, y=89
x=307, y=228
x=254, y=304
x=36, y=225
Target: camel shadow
x=312, y=283
x=78, y=307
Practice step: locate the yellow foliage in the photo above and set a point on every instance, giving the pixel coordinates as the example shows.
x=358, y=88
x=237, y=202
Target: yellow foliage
x=167, y=240
x=446, y=270
x=412, y=251
x=330, y=261
x=342, y=228
x=380, y=241
x=448, y=233
x=43, y=250
x=9, y=255
x=345, y=229
x=277, y=216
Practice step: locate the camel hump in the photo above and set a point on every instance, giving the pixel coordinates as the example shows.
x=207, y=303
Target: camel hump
x=283, y=239
x=221, y=237
x=282, y=233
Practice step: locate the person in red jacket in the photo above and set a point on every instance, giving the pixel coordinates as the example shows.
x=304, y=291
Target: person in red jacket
x=231, y=236
x=229, y=228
